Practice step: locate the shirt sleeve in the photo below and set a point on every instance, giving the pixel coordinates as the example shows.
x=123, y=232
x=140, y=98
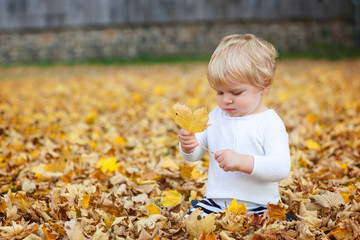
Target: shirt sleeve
x=275, y=164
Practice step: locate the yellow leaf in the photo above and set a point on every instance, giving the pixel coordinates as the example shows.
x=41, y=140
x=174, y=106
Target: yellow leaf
x=196, y=175
x=172, y=198
x=169, y=163
x=192, y=122
x=120, y=141
x=193, y=195
x=86, y=200
x=57, y=166
x=153, y=209
x=91, y=118
x=236, y=209
x=107, y=164
x=137, y=97
x=351, y=188
x=108, y=222
x=343, y=166
x=186, y=171
x=197, y=225
x=345, y=196
x=311, y=144
x=312, y=118
x=283, y=96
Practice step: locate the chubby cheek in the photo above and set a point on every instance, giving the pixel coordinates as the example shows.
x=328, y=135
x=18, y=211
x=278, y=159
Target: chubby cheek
x=219, y=101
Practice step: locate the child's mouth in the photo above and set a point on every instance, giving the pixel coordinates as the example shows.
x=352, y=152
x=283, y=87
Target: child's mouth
x=229, y=110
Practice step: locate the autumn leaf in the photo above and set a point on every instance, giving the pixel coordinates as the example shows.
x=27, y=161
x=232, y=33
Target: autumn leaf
x=120, y=141
x=186, y=171
x=86, y=200
x=340, y=233
x=153, y=209
x=197, y=225
x=192, y=122
x=169, y=163
x=93, y=142
x=55, y=167
x=172, y=198
x=328, y=199
x=311, y=144
x=91, y=118
x=235, y=208
x=276, y=212
x=108, y=164
x=109, y=221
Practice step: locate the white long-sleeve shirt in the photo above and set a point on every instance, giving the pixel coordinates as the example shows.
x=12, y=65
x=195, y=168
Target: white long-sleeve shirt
x=263, y=136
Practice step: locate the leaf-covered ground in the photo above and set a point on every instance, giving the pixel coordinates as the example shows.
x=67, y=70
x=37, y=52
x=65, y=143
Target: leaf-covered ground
x=89, y=152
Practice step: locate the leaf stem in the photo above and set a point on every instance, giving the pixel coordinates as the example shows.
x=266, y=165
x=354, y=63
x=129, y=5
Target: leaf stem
x=207, y=149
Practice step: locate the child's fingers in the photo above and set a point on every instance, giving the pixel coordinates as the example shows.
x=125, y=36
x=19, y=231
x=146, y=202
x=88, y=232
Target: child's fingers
x=217, y=155
x=184, y=132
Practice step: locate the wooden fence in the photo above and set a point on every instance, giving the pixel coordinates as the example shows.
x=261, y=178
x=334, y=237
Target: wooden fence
x=48, y=14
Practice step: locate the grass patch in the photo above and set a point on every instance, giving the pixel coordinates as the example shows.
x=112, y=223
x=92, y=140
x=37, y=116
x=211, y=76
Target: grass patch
x=326, y=52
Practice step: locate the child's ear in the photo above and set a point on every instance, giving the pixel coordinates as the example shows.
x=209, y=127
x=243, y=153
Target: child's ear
x=267, y=86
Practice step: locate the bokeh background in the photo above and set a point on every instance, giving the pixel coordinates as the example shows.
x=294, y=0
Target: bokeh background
x=73, y=30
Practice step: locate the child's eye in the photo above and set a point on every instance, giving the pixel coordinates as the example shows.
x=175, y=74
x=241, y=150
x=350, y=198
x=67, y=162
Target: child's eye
x=237, y=93
x=219, y=93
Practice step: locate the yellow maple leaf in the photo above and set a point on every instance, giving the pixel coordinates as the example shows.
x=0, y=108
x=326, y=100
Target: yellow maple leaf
x=153, y=209
x=57, y=166
x=197, y=225
x=108, y=222
x=120, y=141
x=172, y=198
x=343, y=166
x=351, y=188
x=107, y=164
x=186, y=171
x=311, y=144
x=91, y=118
x=236, y=209
x=169, y=163
x=346, y=197
x=196, y=175
x=86, y=200
x=191, y=121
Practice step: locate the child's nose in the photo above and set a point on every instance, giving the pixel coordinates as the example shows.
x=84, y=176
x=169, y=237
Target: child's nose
x=228, y=99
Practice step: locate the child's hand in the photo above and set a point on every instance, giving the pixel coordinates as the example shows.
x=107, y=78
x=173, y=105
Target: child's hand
x=232, y=161
x=188, y=141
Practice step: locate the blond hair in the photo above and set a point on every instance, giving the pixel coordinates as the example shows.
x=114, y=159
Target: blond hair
x=242, y=58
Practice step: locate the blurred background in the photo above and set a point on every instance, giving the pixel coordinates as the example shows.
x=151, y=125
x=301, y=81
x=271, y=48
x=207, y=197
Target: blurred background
x=103, y=30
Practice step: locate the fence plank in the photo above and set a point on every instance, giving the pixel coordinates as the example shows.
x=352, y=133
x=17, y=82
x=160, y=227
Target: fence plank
x=23, y=14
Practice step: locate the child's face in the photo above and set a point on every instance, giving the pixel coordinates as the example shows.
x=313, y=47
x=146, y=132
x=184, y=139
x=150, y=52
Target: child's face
x=240, y=99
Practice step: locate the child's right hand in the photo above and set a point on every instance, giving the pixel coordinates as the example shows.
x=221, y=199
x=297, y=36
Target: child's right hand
x=188, y=141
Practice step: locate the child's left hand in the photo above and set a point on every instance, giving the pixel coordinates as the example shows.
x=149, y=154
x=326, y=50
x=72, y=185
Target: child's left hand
x=232, y=161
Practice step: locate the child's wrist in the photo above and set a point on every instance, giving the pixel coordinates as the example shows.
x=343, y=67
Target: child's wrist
x=187, y=150
x=246, y=164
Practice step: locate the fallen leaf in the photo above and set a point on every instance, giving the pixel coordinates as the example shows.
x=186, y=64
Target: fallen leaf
x=328, y=199
x=172, y=198
x=235, y=208
x=196, y=224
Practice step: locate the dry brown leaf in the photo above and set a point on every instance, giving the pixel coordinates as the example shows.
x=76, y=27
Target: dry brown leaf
x=120, y=115
x=74, y=230
x=195, y=224
x=328, y=199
